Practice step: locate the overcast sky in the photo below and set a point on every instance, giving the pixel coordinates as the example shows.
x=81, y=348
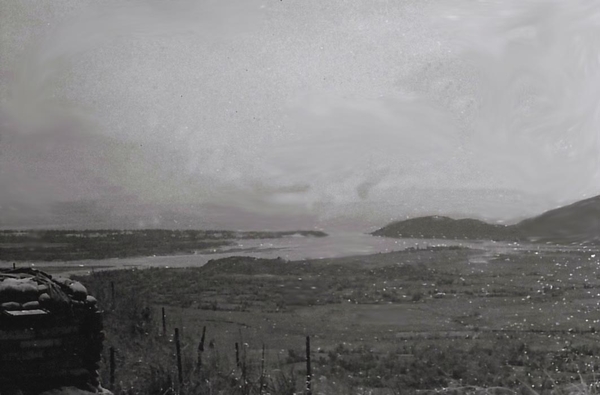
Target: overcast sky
x=294, y=113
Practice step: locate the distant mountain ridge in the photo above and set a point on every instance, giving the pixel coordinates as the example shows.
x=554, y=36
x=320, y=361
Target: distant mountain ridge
x=577, y=223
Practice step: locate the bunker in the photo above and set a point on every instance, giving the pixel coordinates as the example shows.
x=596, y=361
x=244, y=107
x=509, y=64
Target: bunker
x=50, y=333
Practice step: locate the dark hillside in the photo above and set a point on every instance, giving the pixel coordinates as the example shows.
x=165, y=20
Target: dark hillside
x=576, y=223
x=438, y=227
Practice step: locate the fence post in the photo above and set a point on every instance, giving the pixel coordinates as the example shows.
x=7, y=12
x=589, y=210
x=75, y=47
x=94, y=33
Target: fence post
x=245, y=368
x=201, y=347
x=112, y=294
x=178, y=350
x=308, y=368
x=112, y=368
x=237, y=354
x=262, y=370
x=164, y=322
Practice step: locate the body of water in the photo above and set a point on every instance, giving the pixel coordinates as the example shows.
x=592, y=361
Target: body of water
x=297, y=248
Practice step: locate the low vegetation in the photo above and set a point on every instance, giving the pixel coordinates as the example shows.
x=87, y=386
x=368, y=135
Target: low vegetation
x=412, y=322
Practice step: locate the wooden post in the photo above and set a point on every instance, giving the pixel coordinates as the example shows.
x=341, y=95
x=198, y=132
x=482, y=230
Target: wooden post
x=262, y=370
x=244, y=371
x=164, y=322
x=14, y=265
x=244, y=378
x=178, y=350
x=112, y=368
x=308, y=368
x=112, y=294
x=237, y=355
x=201, y=347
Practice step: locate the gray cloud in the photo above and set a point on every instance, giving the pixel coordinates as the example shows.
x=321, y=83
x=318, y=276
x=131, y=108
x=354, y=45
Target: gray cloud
x=296, y=109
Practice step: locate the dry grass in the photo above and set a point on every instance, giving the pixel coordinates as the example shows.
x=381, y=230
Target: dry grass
x=453, y=345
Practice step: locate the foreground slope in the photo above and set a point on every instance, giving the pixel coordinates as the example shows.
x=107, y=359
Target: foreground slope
x=576, y=223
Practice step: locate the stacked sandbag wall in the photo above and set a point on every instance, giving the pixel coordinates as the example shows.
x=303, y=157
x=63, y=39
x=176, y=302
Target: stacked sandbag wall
x=50, y=333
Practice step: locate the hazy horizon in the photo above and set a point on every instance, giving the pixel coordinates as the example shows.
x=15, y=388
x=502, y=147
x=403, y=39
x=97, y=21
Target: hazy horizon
x=248, y=114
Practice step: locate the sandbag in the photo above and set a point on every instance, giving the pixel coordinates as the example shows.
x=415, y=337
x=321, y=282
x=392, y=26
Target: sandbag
x=74, y=288
x=91, y=300
x=44, y=299
x=79, y=291
x=11, y=306
x=19, y=290
x=31, y=305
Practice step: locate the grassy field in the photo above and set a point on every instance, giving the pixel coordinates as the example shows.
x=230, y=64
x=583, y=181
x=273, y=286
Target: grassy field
x=417, y=321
